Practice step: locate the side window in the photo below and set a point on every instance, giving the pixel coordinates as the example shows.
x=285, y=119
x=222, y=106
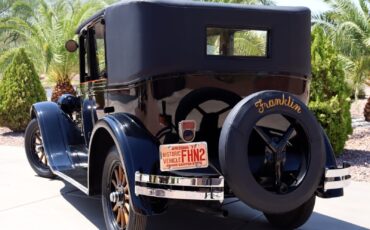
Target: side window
x=84, y=64
x=99, y=31
x=92, y=53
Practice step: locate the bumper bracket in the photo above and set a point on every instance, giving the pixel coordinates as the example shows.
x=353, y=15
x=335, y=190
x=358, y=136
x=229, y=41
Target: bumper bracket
x=337, y=178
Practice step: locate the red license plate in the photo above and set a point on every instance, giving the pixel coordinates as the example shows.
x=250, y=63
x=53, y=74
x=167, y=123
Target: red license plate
x=183, y=156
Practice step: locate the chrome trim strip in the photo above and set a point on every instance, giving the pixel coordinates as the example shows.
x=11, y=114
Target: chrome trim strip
x=336, y=184
x=341, y=172
x=180, y=181
x=179, y=194
x=72, y=181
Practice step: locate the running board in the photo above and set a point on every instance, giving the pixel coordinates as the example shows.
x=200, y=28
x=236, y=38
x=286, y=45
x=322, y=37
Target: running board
x=75, y=177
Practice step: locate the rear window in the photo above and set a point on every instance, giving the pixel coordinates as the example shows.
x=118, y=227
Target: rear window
x=237, y=42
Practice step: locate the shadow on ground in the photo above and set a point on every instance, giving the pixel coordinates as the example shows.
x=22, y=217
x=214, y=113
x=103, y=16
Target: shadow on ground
x=88, y=206
x=353, y=156
x=12, y=134
x=241, y=216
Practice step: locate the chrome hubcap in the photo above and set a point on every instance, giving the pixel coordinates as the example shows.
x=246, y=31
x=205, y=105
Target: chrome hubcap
x=116, y=196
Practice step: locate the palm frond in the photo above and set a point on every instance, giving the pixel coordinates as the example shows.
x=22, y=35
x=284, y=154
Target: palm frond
x=6, y=58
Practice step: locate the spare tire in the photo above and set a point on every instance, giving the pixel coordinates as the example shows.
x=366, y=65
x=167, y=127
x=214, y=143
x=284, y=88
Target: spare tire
x=271, y=152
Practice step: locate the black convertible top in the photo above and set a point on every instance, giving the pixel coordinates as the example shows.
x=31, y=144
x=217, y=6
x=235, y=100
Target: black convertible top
x=155, y=37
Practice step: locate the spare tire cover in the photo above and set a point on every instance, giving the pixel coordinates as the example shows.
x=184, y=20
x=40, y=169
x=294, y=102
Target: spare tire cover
x=233, y=150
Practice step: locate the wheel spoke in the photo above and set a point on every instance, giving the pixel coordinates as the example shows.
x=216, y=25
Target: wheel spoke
x=117, y=177
x=123, y=219
x=38, y=138
x=285, y=140
x=120, y=174
x=127, y=207
x=115, y=184
x=266, y=138
x=115, y=208
x=42, y=157
x=278, y=175
x=126, y=216
x=200, y=110
x=224, y=110
x=119, y=215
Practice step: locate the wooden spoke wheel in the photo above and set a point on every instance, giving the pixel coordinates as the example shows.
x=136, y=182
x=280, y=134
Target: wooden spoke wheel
x=38, y=149
x=116, y=201
x=120, y=197
x=35, y=152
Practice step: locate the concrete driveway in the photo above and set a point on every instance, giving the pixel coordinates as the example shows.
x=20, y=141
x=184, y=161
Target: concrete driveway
x=30, y=202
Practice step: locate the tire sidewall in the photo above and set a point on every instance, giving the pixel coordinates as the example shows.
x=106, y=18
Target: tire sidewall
x=293, y=219
x=233, y=149
x=111, y=160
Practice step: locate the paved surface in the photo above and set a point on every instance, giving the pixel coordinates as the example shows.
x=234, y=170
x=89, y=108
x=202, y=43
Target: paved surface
x=28, y=201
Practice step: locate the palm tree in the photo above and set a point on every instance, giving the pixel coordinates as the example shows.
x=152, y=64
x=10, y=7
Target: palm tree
x=349, y=24
x=367, y=106
x=64, y=65
x=5, y=6
x=43, y=34
x=9, y=38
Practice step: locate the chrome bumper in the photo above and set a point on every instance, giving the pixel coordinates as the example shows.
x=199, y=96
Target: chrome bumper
x=337, y=178
x=185, y=188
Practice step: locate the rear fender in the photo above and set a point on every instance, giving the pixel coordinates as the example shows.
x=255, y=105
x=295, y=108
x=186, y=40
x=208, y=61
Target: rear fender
x=137, y=148
x=58, y=132
x=331, y=162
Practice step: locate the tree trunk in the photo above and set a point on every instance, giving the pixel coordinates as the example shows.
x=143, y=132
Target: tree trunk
x=367, y=110
x=62, y=88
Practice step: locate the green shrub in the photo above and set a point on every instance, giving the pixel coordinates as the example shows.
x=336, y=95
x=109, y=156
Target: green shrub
x=20, y=87
x=330, y=94
x=334, y=121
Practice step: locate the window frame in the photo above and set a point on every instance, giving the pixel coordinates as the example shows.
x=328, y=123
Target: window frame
x=89, y=66
x=267, y=48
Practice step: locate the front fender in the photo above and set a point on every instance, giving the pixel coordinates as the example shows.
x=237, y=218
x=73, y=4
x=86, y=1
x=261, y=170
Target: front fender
x=58, y=132
x=137, y=148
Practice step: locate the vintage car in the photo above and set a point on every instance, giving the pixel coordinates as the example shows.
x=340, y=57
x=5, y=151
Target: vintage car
x=190, y=101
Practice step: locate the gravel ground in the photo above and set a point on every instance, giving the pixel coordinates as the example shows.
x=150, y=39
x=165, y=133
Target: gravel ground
x=357, y=149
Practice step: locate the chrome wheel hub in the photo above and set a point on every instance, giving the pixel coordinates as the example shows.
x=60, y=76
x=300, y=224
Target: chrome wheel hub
x=116, y=197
